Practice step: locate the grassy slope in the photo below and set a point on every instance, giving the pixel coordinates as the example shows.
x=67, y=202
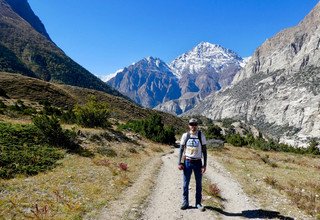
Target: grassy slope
x=34, y=90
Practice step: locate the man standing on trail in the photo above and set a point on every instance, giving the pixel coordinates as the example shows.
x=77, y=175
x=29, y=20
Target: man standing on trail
x=192, y=147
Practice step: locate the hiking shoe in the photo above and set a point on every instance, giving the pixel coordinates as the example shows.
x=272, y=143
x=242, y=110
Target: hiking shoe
x=200, y=207
x=184, y=207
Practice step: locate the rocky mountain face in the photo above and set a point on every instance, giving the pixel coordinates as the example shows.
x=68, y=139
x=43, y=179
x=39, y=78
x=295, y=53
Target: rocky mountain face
x=206, y=61
x=148, y=82
x=279, y=89
x=187, y=80
x=26, y=48
x=205, y=69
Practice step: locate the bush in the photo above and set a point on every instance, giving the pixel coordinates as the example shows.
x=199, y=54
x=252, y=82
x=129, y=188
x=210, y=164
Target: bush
x=52, y=133
x=48, y=109
x=313, y=148
x=27, y=160
x=236, y=140
x=68, y=117
x=92, y=114
x=214, y=132
x=3, y=93
x=153, y=129
x=18, y=135
x=22, y=151
x=21, y=108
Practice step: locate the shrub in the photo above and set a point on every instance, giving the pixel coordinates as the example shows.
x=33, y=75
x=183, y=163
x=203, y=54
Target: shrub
x=22, y=152
x=214, y=132
x=18, y=135
x=226, y=122
x=313, y=148
x=21, y=108
x=236, y=140
x=27, y=160
x=92, y=114
x=68, y=117
x=48, y=109
x=52, y=133
x=3, y=93
x=153, y=129
x=271, y=181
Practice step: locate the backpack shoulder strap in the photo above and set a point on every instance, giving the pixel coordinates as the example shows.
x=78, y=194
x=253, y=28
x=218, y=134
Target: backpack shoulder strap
x=187, y=138
x=200, y=137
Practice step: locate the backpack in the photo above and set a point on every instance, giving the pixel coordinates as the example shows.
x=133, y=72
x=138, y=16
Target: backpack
x=184, y=144
x=188, y=137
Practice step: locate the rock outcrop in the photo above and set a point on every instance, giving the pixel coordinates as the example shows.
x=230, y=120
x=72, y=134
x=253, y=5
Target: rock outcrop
x=279, y=88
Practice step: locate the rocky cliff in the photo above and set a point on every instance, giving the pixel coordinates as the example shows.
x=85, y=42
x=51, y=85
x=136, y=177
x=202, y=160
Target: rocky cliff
x=148, y=82
x=279, y=88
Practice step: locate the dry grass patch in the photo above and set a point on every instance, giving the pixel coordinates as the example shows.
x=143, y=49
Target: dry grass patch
x=211, y=194
x=78, y=185
x=288, y=183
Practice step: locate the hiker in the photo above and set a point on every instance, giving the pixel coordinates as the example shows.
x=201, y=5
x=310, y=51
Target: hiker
x=192, y=147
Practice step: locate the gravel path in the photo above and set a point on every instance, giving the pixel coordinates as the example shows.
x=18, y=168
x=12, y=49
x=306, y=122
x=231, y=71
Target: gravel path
x=165, y=200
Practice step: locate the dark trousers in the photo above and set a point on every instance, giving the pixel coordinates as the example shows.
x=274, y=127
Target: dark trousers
x=189, y=166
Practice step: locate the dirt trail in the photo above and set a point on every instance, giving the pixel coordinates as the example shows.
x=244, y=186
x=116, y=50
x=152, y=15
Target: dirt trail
x=164, y=200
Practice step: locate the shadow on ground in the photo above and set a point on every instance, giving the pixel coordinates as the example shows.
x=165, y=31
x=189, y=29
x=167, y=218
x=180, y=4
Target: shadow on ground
x=259, y=213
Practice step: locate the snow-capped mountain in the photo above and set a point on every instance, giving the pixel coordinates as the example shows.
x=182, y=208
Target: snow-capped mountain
x=205, y=69
x=148, y=82
x=187, y=80
x=205, y=57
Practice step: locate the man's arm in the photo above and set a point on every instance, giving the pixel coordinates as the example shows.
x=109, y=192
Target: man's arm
x=180, y=153
x=182, y=146
x=204, y=152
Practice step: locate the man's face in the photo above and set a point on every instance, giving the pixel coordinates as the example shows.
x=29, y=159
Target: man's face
x=193, y=126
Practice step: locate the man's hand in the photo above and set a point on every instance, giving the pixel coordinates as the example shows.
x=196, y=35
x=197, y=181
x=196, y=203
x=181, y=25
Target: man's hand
x=180, y=166
x=203, y=169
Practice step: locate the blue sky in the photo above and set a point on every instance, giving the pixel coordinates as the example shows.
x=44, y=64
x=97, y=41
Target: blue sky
x=106, y=35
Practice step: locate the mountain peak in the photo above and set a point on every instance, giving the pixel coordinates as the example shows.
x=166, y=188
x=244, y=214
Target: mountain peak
x=151, y=59
x=154, y=63
x=205, y=44
x=204, y=56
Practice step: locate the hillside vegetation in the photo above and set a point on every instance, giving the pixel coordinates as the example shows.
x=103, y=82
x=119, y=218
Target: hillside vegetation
x=33, y=91
x=61, y=155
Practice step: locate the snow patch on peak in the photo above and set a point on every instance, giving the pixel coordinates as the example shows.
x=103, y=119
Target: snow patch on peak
x=245, y=60
x=107, y=77
x=204, y=56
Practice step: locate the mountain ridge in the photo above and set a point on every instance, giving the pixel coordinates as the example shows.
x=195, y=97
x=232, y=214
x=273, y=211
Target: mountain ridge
x=204, y=69
x=148, y=82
